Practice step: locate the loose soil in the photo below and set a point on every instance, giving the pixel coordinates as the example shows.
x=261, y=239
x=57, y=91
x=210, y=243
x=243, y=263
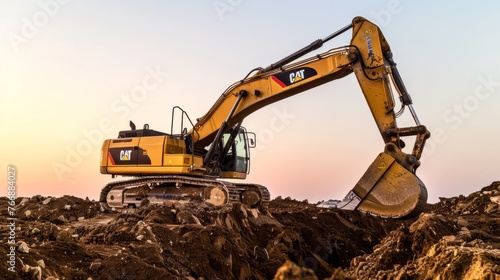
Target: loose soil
x=74, y=238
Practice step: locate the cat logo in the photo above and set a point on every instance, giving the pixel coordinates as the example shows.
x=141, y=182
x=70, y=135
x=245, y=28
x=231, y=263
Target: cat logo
x=125, y=155
x=288, y=78
x=297, y=76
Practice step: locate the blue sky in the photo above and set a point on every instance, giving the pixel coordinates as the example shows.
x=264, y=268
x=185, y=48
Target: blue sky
x=69, y=67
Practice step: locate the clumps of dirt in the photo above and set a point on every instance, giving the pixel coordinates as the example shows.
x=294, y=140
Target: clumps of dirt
x=485, y=201
x=56, y=210
x=291, y=271
x=457, y=239
x=73, y=238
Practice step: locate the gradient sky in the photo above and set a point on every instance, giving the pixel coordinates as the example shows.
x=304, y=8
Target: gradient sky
x=68, y=70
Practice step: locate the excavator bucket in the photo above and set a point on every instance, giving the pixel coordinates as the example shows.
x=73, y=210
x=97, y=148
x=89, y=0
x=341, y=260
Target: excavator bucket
x=386, y=189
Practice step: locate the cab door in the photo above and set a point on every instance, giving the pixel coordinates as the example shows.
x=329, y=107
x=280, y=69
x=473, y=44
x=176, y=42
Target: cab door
x=237, y=159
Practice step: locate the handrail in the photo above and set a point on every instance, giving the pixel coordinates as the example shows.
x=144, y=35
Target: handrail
x=183, y=113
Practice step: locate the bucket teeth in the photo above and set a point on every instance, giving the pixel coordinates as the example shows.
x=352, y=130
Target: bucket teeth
x=387, y=189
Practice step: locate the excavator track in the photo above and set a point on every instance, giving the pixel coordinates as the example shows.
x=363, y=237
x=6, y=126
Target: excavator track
x=158, y=189
x=254, y=192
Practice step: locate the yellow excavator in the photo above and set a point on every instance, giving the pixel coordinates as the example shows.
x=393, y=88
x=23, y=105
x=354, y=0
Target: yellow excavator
x=189, y=164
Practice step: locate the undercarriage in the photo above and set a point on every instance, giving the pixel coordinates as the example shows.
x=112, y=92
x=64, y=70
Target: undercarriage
x=159, y=189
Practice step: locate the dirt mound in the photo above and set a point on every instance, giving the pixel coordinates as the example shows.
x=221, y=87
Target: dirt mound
x=457, y=239
x=73, y=238
x=56, y=210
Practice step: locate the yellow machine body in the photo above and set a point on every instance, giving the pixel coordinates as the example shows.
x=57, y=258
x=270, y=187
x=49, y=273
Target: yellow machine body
x=217, y=146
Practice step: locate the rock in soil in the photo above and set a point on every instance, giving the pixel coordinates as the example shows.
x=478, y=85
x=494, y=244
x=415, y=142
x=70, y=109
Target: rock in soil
x=73, y=238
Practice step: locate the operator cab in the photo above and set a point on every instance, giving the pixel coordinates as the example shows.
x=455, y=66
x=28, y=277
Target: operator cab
x=237, y=158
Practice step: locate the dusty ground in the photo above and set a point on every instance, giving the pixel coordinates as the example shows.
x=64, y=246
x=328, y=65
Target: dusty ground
x=73, y=238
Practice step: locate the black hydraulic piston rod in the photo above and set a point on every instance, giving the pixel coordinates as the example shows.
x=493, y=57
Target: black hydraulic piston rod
x=311, y=47
x=225, y=124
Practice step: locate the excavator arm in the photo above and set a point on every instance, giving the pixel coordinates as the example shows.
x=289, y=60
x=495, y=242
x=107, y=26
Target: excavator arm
x=368, y=56
x=389, y=187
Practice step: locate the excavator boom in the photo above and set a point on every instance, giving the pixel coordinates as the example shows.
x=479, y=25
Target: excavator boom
x=389, y=187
